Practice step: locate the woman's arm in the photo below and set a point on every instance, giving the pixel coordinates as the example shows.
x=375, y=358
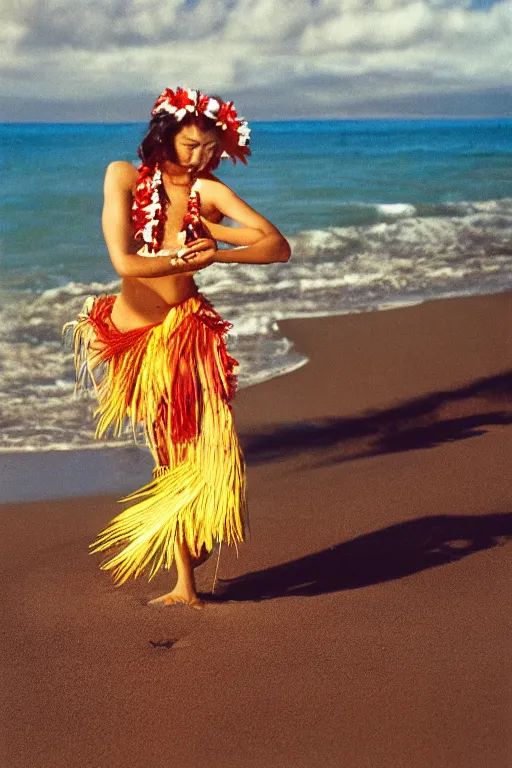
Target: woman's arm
x=120, y=178
x=232, y=235
x=264, y=243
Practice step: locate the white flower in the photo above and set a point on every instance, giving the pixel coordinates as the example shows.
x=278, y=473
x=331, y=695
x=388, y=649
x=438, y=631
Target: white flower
x=180, y=113
x=147, y=232
x=153, y=209
x=167, y=107
x=193, y=96
x=212, y=108
x=243, y=134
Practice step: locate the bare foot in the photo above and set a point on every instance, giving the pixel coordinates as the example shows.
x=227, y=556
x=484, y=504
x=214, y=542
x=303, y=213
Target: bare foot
x=174, y=598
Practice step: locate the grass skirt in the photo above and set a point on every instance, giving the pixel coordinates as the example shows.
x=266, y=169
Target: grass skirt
x=173, y=382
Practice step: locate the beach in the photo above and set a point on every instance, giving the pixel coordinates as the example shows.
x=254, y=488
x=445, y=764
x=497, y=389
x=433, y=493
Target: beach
x=365, y=623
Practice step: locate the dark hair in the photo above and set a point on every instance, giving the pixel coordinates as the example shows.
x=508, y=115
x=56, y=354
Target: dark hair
x=158, y=143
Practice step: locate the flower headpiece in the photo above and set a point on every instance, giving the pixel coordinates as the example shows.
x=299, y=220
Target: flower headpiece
x=185, y=101
x=150, y=201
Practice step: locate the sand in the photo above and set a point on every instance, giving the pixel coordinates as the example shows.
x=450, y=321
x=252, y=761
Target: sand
x=366, y=623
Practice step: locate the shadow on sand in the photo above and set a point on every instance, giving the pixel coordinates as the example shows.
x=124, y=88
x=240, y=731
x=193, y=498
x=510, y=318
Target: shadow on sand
x=411, y=425
x=401, y=549
x=391, y=553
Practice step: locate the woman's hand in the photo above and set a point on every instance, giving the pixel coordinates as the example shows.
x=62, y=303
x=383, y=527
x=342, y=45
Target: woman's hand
x=199, y=253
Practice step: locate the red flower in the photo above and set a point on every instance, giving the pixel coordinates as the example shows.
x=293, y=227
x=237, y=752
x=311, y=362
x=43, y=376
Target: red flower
x=202, y=103
x=173, y=101
x=166, y=96
x=228, y=116
x=182, y=100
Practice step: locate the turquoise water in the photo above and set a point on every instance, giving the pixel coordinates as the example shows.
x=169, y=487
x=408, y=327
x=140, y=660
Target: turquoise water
x=303, y=176
x=379, y=213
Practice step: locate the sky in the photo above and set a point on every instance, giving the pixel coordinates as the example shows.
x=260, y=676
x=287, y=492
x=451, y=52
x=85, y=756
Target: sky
x=107, y=60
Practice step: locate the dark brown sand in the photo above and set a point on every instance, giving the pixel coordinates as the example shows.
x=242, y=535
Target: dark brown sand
x=367, y=621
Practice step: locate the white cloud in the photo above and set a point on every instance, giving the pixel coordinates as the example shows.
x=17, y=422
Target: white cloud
x=363, y=49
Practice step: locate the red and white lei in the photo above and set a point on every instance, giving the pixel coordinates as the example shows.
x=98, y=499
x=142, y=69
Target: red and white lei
x=149, y=209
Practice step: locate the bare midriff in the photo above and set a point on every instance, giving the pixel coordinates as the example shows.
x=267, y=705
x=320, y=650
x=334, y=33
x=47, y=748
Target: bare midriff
x=144, y=301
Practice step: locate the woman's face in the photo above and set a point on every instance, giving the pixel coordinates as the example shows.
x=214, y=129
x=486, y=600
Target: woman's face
x=195, y=146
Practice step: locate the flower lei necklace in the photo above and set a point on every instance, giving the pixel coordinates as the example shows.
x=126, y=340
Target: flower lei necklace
x=150, y=200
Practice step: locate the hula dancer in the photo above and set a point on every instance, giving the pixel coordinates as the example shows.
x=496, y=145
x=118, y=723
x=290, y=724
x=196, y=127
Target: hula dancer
x=156, y=354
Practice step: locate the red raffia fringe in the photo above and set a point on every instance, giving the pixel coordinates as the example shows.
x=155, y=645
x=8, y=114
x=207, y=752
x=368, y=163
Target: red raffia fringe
x=174, y=382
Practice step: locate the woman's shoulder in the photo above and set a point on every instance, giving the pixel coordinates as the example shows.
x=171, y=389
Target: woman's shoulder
x=121, y=172
x=211, y=186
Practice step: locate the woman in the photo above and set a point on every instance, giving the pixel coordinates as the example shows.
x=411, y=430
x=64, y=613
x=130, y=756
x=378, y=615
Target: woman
x=156, y=353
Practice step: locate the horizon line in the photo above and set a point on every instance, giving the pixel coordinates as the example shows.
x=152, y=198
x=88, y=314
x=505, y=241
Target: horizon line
x=270, y=120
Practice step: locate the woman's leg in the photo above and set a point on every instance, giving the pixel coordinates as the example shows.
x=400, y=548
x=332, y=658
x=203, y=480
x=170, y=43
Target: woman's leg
x=185, y=590
x=186, y=584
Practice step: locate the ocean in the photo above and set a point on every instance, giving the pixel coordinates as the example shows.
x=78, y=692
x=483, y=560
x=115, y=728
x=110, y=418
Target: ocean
x=379, y=213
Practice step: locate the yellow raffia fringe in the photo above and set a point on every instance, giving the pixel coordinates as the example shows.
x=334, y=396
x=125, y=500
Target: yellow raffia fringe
x=199, y=496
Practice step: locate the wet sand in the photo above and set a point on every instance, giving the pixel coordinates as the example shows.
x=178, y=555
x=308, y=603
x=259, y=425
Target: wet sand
x=365, y=623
